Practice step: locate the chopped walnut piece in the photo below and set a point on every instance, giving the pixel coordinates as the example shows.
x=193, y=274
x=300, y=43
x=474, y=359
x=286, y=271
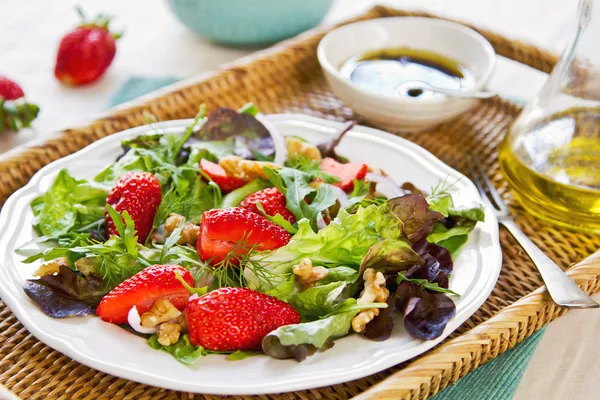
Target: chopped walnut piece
x=374, y=292
x=162, y=311
x=168, y=333
x=308, y=275
x=51, y=267
x=297, y=147
x=190, y=232
x=246, y=170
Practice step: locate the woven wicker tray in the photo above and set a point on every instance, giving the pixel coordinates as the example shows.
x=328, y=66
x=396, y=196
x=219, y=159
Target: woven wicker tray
x=287, y=78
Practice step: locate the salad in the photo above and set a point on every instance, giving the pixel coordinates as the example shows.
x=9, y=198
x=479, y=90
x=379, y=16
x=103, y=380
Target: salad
x=202, y=244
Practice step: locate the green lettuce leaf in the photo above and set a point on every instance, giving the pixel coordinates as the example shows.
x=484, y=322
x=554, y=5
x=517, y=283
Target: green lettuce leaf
x=302, y=340
x=68, y=206
x=183, y=350
x=344, y=241
x=342, y=273
x=242, y=355
x=319, y=301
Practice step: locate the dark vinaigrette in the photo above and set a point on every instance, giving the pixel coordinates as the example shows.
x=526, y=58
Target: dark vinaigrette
x=399, y=72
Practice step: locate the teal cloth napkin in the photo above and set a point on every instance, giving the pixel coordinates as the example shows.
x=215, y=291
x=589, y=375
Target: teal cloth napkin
x=496, y=380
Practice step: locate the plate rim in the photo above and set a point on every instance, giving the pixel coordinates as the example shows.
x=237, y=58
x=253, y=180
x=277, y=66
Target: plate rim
x=56, y=343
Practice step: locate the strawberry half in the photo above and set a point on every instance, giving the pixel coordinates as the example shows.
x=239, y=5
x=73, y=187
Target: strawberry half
x=86, y=53
x=221, y=229
x=138, y=193
x=219, y=176
x=346, y=172
x=230, y=319
x=143, y=289
x=273, y=202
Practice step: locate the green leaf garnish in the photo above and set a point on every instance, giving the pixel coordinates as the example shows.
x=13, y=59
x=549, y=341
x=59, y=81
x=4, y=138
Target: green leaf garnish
x=434, y=287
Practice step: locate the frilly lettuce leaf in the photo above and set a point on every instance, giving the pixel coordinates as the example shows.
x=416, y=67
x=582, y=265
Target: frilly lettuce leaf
x=302, y=340
x=69, y=205
x=344, y=241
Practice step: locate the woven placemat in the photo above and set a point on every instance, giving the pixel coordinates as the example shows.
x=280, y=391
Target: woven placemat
x=288, y=78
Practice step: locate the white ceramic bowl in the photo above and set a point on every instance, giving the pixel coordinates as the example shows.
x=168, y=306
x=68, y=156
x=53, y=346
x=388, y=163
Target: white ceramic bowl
x=450, y=39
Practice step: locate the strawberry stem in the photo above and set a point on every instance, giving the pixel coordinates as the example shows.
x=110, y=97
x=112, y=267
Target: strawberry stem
x=16, y=114
x=199, y=291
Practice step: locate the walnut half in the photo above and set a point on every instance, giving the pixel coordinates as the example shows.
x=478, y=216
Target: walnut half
x=246, y=170
x=168, y=333
x=297, y=147
x=162, y=311
x=374, y=292
x=189, y=233
x=51, y=267
x=308, y=275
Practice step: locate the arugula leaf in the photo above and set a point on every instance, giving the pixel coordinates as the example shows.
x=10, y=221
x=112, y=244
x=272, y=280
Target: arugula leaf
x=302, y=340
x=295, y=185
x=310, y=167
x=277, y=219
x=69, y=205
x=249, y=108
x=183, y=351
x=434, y=287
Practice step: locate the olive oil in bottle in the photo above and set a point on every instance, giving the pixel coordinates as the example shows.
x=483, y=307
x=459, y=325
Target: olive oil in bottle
x=554, y=167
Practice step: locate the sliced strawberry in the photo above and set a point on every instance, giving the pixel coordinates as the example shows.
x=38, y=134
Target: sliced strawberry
x=222, y=229
x=218, y=175
x=139, y=194
x=346, y=172
x=230, y=319
x=143, y=289
x=273, y=202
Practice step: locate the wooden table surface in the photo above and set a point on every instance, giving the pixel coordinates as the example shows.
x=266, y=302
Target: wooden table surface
x=566, y=363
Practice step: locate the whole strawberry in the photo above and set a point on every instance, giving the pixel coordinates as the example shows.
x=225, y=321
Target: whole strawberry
x=272, y=201
x=236, y=229
x=86, y=53
x=138, y=193
x=143, y=289
x=15, y=112
x=230, y=319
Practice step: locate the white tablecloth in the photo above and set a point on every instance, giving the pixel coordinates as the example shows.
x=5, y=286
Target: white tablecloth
x=566, y=363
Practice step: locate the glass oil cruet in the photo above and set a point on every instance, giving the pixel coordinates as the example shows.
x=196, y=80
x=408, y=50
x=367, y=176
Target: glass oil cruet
x=551, y=154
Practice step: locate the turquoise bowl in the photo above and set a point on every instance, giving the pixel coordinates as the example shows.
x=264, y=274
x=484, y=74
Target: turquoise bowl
x=249, y=22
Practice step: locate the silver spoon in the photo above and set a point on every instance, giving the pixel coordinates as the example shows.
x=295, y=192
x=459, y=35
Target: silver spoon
x=417, y=87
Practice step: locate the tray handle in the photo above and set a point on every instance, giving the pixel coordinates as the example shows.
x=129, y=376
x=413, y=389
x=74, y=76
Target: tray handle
x=455, y=359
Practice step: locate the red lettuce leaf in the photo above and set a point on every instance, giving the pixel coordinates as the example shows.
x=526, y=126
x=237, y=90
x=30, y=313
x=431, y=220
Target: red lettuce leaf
x=425, y=314
x=437, y=263
x=252, y=139
x=68, y=293
x=415, y=218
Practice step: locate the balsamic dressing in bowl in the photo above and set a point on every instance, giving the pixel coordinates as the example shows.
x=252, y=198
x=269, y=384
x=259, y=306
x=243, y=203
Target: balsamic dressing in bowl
x=400, y=72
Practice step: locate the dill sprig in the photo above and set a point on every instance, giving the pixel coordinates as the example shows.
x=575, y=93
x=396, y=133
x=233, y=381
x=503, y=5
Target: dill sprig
x=230, y=272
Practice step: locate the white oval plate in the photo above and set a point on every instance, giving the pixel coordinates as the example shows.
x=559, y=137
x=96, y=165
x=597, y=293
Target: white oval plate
x=110, y=349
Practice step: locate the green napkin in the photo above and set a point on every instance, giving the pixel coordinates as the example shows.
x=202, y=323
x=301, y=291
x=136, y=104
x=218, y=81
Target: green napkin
x=496, y=380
